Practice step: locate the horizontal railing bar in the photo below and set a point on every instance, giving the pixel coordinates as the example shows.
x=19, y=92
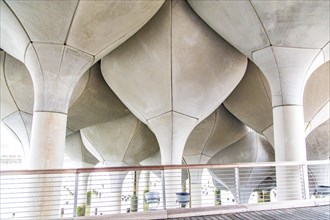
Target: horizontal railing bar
x=161, y=167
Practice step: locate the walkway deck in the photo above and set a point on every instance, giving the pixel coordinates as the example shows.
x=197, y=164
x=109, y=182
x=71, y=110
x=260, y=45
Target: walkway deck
x=305, y=213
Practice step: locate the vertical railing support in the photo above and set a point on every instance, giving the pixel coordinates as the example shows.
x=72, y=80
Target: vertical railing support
x=75, y=198
x=237, y=186
x=305, y=184
x=163, y=189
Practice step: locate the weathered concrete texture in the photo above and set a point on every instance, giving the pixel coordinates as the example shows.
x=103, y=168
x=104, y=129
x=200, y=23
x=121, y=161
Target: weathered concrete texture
x=8, y=105
x=250, y=101
x=96, y=104
x=97, y=26
x=21, y=123
x=19, y=83
x=318, y=142
x=317, y=92
x=13, y=37
x=285, y=22
x=53, y=30
x=92, y=100
x=75, y=149
x=167, y=53
x=287, y=76
x=226, y=17
x=251, y=148
x=45, y=21
x=47, y=151
x=55, y=70
x=123, y=141
x=216, y=132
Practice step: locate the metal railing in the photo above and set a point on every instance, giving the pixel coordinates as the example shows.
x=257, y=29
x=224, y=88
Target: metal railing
x=46, y=194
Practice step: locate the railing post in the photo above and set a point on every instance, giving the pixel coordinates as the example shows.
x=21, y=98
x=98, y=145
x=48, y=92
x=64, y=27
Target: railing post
x=75, y=198
x=305, y=184
x=163, y=189
x=237, y=184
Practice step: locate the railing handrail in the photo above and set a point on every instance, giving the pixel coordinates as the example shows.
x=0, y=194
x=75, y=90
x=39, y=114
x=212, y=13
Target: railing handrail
x=161, y=167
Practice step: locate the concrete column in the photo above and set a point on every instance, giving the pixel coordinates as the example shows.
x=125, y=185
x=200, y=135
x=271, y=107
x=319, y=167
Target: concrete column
x=290, y=145
x=47, y=140
x=196, y=190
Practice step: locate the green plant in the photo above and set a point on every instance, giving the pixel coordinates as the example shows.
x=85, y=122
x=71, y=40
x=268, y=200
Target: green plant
x=134, y=202
x=145, y=204
x=88, y=198
x=81, y=209
x=217, y=197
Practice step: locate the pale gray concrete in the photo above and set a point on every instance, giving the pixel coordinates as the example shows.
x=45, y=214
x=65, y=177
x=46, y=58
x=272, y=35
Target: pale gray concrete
x=172, y=74
x=251, y=148
x=185, y=96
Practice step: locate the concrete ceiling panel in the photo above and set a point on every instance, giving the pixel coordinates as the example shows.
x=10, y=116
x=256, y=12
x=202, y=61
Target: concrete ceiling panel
x=79, y=88
x=304, y=24
x=317, y=91
x=191, y=89
x=205, y=68
x=97, y=104
x=20, y=84
x=134, y=68
x=8, y=105
x=76, y=151
x=251, y=148
x=45, y=21
x=142, y=145
x=99, y=24
x=227, y=130
x=234, y=17
x=199, y=136
x=112, y=139
x=21, y=127
x=13, y=37
x=322, y=115
x=250, y=101
x=216, y=132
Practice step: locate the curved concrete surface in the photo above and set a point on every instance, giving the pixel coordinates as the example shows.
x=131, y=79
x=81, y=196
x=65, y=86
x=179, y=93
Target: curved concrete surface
x=185, y=96
x=269, y=36
x=251, y=100
x=58, y=41
x=92, y=101
x=96, y=104
x=77, y=152
x=125, y=141
x=251, y=148
x=317, y=96
x=213, y=134
x=318, y=142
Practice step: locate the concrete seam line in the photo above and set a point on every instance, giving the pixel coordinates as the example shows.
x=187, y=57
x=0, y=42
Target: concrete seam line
x=286, y=105
x=69, y=29
x=54, y=112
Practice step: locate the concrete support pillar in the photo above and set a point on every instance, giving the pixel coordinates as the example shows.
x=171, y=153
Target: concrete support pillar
x=196, y=190
x=47, y=140
x=290, y=145
x=173, y=184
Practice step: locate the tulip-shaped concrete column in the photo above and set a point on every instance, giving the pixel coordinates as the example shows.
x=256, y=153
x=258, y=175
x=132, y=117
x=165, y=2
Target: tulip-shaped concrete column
x=273, y=42
x=171, y=80
x=58, y=41
x=55, y=69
